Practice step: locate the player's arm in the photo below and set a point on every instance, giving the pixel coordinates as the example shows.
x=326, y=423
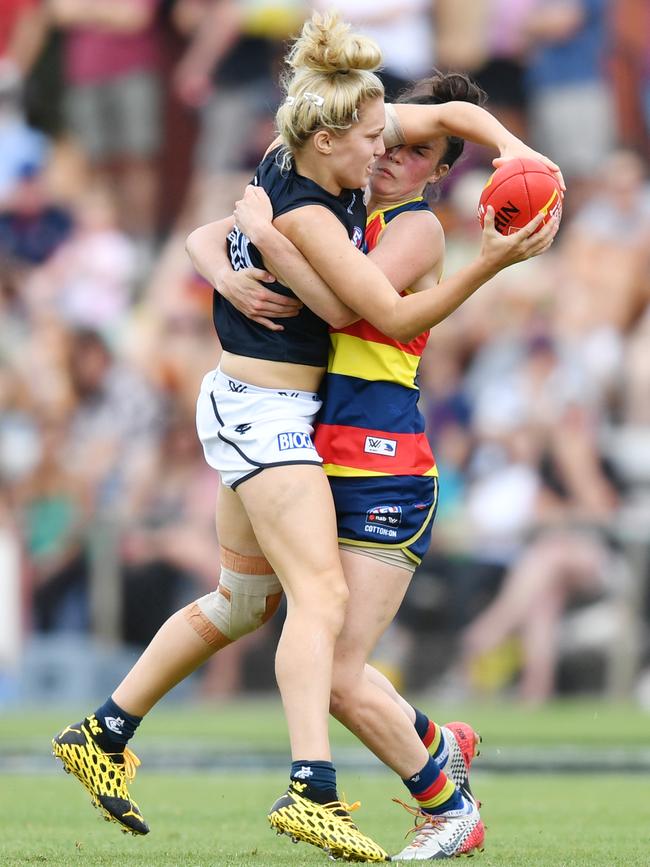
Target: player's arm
x=410, y=247
x=253, y=215
x=410, y=124
x=206, y=247
x=245, y=289
x=364, y=288
x=411, y=252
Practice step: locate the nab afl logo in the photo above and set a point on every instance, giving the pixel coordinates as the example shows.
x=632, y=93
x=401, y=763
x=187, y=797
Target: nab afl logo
x=390, y=516
x=357, y=237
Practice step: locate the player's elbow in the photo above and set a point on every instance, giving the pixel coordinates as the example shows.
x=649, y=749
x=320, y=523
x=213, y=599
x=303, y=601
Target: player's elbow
x=401, y=332
x=193, y=243
x=190, y=241
x=342, y=319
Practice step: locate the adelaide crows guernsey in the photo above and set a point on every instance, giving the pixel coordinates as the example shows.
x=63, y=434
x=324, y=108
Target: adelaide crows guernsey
x=370, y=424
x=305, y=339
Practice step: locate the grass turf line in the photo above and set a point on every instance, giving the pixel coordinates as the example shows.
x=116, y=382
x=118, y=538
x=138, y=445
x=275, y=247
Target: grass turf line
x=583, y=723
x=219, y=820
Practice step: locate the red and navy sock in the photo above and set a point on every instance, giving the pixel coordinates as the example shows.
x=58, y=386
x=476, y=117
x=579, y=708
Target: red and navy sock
x=430, y=734
x=315, y=780
x=112, y=727
x=433, y=791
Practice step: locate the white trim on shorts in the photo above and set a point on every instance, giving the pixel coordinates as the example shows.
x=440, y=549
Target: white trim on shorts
x=244, y=428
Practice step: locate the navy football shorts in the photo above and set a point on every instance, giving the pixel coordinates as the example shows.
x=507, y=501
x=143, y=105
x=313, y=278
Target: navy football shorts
x=391, y=511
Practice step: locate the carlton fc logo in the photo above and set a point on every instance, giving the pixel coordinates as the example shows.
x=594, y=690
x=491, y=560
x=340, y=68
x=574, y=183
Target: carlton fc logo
x=357, y=236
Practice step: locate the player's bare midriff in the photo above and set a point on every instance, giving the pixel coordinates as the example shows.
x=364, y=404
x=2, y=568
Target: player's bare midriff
x=271, y=374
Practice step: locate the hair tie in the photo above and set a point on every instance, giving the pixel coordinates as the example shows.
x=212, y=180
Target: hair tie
x=314, y=98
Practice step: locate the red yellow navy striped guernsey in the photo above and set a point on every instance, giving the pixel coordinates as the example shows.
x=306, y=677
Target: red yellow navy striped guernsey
x=370, y=424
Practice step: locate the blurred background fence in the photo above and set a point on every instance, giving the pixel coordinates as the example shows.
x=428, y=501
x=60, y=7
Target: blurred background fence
x=126, y=123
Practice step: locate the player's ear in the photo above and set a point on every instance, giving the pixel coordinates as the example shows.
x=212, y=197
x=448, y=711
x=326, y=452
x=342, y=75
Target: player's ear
x=323, y=141
x=441, y=171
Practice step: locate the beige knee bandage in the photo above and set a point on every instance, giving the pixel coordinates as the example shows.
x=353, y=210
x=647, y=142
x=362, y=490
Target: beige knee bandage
x=247, y=595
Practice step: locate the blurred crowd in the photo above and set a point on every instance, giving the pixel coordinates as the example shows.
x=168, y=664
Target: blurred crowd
x=126, y=123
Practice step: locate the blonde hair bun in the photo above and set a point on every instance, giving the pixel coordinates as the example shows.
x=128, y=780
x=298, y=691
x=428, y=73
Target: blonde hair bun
x=327, y=45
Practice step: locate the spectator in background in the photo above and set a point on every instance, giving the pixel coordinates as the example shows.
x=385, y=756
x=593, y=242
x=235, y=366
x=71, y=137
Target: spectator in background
x=630, y=64
x=601, y=274
x=229, y=72
x=571, y=110
x=54, y=511
x=22, y=32
x=503, y=73
x=116, y=423
x=636, y=383
x=113, y=100
x=169, y=545
x=89, y=281
x=32, y=226
x=461, y=34
x=19, y=441
x=554, y=570
x=14, y=324
x=22, y=148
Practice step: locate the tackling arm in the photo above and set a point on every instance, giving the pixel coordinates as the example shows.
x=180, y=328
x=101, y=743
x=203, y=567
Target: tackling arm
x=410, y=124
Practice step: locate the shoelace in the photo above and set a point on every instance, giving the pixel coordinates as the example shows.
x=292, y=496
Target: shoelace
x=130, y=762
x=343, y=810
x=429, y=825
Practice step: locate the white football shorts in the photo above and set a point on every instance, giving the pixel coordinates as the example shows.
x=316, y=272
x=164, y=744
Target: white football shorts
x=244, y=428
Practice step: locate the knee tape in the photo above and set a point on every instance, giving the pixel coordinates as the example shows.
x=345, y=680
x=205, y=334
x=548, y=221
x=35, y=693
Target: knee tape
x=245, y=598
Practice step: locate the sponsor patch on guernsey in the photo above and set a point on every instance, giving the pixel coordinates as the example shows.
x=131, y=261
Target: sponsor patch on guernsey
x=294, y=440
x=380, y=446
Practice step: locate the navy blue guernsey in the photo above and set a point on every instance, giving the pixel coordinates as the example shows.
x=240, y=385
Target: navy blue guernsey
x=305, y=337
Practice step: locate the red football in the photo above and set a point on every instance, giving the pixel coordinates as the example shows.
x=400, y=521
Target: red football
x=518, y=191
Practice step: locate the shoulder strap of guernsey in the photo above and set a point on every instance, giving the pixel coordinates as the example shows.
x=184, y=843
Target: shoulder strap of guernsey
x=380, y=217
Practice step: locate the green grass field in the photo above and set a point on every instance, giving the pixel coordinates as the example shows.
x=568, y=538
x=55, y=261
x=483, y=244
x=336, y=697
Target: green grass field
x=218, y=818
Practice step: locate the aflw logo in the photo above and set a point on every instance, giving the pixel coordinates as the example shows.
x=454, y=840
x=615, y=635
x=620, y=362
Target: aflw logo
x=379, y=446
x=294, y=440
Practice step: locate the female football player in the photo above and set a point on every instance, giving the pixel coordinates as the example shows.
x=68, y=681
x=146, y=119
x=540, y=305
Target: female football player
x=255, y=418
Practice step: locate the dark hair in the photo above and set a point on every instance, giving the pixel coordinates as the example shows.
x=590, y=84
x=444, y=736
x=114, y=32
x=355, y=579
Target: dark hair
x=445, y=87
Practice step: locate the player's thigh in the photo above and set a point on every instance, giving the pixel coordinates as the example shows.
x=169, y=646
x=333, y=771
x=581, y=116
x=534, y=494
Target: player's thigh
x=376, y=592
x=292, y=514
x=234, y=529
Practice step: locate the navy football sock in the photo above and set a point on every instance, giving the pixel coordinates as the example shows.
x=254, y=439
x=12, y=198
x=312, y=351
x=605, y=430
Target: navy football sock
x=318, y=779
x=117, y=727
